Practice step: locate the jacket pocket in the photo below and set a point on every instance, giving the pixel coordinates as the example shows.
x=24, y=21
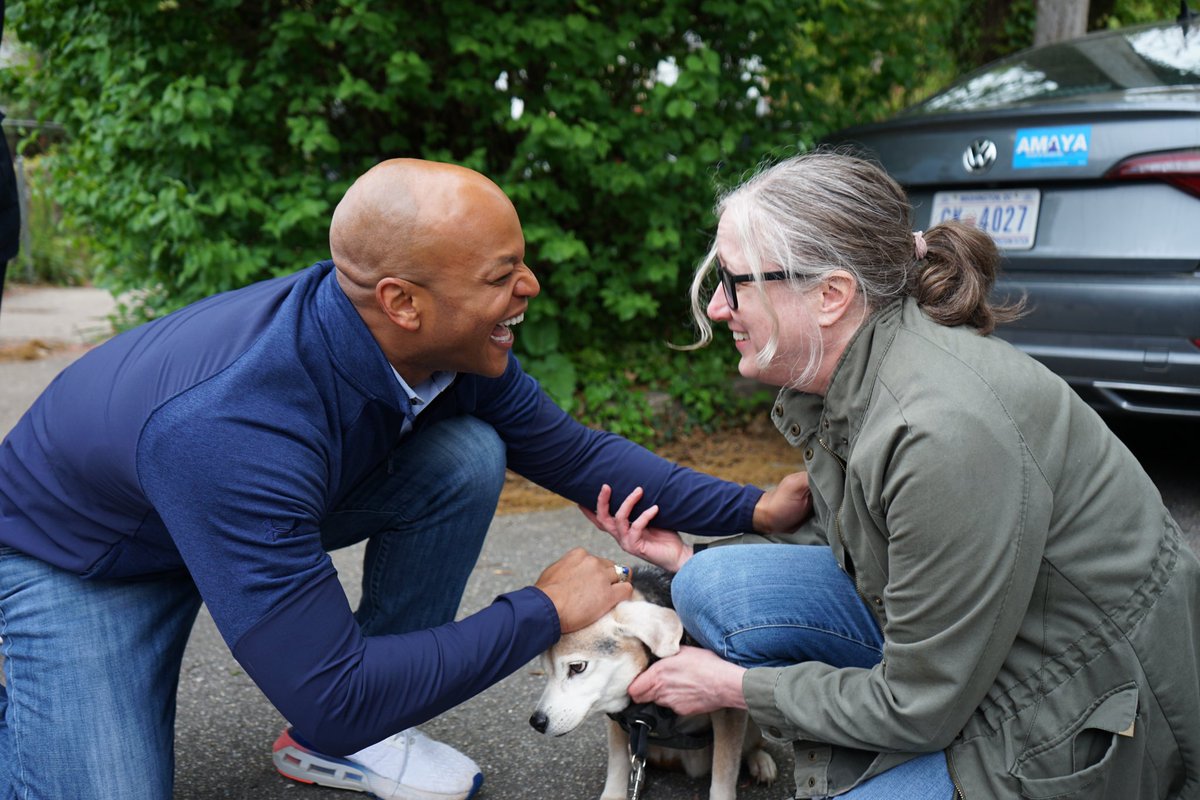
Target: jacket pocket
x=1072, y=763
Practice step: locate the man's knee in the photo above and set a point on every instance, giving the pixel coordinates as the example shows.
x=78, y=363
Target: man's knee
x=476, y=455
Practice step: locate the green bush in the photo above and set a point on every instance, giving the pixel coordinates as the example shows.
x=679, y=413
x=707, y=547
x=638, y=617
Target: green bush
x=54, y=252
x=651, y=394
x=207, y=143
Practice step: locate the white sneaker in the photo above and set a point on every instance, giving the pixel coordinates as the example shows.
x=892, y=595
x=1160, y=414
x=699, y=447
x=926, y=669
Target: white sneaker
x=406, y=766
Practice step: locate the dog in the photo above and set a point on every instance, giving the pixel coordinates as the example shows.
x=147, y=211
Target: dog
x=590, y=671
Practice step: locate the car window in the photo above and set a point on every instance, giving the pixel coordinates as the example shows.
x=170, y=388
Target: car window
x=1156, y=57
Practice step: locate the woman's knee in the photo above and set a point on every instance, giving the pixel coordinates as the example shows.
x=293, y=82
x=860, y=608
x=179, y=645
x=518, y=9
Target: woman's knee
x=715, y=575
x=690, y=584
x=695, y=590
x=770, y=604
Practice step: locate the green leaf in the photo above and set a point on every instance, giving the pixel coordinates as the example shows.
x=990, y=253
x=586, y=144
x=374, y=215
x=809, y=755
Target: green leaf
x=557, y=376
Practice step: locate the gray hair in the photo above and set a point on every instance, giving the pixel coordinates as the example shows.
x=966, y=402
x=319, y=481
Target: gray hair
x=823, y=211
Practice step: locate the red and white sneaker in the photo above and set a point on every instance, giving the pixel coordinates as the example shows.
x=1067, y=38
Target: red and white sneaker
x=406, y=766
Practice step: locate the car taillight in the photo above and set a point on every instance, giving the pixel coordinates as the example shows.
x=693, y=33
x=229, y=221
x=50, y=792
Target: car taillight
x=1180, y=168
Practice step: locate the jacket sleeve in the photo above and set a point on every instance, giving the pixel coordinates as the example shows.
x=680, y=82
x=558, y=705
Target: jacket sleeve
x=965, y=538
x=246, y=526
x=343, y=691
x=550, y=448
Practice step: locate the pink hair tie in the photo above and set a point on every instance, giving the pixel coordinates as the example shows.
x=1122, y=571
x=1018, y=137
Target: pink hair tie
x=919, y=244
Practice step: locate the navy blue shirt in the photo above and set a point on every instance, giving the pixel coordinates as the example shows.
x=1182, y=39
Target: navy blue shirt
x=216, y=439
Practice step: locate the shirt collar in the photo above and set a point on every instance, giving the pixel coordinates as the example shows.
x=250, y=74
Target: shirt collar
x=424, y=393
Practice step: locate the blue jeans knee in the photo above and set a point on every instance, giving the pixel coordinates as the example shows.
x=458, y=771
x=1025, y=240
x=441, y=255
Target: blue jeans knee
x=473, y=459
x=775, y=605
x=424, y=514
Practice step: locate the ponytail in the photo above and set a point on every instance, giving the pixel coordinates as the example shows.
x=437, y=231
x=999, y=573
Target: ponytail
x=959, y=270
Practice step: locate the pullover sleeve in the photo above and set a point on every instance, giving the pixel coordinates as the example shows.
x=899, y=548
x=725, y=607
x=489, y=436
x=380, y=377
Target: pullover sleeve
x=242, y=495
x=558, y=453
x=344, y=691
x=964, y=543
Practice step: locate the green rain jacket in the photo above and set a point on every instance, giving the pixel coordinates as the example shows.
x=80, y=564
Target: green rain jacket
x=1040, y=609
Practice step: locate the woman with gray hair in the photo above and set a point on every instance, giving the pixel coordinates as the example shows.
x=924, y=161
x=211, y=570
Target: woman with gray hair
x=989, y=598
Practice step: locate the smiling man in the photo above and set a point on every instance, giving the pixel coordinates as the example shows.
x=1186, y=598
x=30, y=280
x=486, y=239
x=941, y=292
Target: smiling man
x=433, y=258
x=215, y=455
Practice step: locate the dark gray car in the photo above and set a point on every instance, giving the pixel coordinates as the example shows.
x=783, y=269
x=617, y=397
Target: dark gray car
x=1082, y=159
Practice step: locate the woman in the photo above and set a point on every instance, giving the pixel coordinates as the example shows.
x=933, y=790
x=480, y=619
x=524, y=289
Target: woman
x=989, y=598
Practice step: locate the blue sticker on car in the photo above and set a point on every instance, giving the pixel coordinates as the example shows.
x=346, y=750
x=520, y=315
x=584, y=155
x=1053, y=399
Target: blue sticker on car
x=1066, y=146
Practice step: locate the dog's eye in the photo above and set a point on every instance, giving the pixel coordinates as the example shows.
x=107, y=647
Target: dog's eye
x=576, y=667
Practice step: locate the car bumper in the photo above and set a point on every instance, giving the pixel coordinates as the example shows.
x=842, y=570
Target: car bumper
x=1126, y=343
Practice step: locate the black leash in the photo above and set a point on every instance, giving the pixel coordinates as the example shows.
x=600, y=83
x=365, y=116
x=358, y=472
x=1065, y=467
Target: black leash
x=647, y=723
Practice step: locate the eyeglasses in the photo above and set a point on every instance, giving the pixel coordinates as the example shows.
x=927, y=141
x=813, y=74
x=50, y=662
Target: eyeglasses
x=729, y=282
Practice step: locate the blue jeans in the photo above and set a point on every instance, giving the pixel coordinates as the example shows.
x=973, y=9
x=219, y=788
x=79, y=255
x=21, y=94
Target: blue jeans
x=774, y=605
x=91, y=667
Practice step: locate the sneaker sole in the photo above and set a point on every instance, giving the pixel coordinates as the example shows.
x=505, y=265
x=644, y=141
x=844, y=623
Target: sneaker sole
x=294, y=762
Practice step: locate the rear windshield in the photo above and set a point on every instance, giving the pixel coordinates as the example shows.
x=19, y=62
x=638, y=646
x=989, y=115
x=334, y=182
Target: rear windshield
x=1146, y=57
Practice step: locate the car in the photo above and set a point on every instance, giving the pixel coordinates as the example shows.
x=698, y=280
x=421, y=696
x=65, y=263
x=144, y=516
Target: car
x=1082, y=160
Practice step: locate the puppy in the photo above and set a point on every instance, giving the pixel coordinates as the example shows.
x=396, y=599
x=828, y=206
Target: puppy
x=590, y=671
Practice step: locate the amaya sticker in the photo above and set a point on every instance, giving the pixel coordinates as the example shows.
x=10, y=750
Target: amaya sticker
x=1052, y=147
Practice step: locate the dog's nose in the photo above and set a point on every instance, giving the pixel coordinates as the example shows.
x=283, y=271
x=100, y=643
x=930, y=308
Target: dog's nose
x=539, y=721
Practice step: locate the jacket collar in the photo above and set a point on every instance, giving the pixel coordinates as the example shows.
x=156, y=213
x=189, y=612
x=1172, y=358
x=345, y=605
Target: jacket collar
x=801, y=415
x=355, y=354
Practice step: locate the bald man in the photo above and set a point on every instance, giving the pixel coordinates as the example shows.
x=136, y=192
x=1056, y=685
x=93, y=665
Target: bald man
x=215, y=455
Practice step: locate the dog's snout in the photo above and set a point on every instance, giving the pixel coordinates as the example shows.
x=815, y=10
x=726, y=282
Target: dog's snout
x=539, y=721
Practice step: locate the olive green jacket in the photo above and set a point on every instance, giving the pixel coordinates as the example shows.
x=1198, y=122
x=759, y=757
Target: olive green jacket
x=1040, y=610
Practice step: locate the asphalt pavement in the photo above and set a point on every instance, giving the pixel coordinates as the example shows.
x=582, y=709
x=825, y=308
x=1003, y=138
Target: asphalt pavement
x=225, y=727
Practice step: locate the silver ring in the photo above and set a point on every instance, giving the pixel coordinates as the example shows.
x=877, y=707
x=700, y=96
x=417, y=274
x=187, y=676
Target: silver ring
x=622, y=573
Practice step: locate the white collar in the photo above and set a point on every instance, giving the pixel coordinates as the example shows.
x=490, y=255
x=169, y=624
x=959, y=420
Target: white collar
x=421, y=395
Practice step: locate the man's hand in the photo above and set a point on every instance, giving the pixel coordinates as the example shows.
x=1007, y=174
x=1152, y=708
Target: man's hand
x=785, y=507
x=583, y=588
x=659, y=546
x=694, y=681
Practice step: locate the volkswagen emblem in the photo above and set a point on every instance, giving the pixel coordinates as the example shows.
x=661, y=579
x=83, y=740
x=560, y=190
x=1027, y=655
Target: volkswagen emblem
x=980, y=156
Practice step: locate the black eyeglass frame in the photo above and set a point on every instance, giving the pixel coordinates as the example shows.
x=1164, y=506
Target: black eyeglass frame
x=729, y=282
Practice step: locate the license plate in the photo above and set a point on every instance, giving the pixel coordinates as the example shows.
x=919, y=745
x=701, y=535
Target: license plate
x=1009, y=216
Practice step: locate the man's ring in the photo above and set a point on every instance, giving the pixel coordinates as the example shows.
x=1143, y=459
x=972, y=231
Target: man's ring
x=622, y=573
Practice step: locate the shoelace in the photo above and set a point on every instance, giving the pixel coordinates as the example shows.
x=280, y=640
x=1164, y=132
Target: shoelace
x=402, y=741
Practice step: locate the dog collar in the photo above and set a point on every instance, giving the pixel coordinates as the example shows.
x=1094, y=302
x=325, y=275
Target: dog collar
x=661, y=726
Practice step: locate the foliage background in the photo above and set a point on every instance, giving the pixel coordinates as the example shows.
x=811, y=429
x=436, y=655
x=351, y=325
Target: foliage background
x=206, y=144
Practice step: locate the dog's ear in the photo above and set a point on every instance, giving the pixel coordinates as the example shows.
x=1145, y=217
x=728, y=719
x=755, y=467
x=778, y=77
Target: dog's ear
x=657, y=626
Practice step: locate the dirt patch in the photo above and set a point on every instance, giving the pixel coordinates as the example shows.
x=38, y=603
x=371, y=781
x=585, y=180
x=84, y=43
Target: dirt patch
x=756, y=454
x=34, y=349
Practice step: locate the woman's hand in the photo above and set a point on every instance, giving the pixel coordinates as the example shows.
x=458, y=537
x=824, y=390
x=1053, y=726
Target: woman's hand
x=785, y=507
x=693, y=681
x=661, y=547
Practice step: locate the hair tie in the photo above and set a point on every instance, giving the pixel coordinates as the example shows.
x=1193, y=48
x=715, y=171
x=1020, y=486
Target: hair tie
x=919, y=244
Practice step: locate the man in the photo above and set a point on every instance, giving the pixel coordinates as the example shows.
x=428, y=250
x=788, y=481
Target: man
x=216, y=454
